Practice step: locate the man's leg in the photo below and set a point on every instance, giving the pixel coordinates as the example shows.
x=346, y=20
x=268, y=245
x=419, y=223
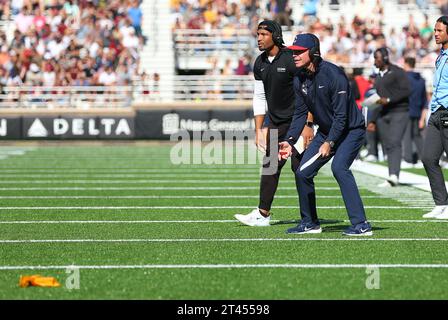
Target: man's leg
x=269, y=182
x=391, y=129
x=305, y=181
x=372, y=143
x=345, y=154
x=417, y=138
x=432, y=151
x=407, y=142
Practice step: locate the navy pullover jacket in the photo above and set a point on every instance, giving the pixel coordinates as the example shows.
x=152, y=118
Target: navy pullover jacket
x=417, y=99
x=327, y=95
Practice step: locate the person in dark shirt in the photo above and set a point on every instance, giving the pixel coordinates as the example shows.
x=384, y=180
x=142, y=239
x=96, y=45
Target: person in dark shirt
x=274, y=72
x=416, y=123
x=323, y=89
x=391, y=118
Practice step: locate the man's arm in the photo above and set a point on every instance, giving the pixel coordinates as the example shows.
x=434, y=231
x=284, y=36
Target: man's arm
x=259, y=105
x=299, y=117
x=340, y=103
x=308, y=130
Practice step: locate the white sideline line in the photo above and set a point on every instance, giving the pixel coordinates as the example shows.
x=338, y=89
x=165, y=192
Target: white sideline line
x=145, y=181
x=231, y=266
x=184, y=221
x=203, y=169
x=153, y=188
x=167, y=175
x=199, y=207
x=5, y=241
x=180, y=197
x=418, y=181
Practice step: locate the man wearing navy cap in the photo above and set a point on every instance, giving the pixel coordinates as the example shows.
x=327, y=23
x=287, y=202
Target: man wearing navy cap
x=323, y=89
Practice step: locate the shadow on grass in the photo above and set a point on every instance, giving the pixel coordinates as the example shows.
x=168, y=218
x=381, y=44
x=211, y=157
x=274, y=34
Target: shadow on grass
x=322, y=221
x=341, y=228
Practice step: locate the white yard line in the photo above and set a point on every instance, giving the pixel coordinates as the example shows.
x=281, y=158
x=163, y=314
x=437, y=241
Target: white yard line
x=6, y=152
x=148, y=177
x=140, y=181
x=150, y=188
x=186, y=221
x=181, y=197
x=293, y=238
x=196, y=207
x=140, y=175
x=68, y=170
x=229, y=266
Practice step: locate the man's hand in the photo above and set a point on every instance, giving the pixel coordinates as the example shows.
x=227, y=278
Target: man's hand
x=260, y=139
x=371, y=127
x=422, y=124
x=284, y=150
x=422, y=121
x=383, y=101
x=308, y=135
x=325, y=149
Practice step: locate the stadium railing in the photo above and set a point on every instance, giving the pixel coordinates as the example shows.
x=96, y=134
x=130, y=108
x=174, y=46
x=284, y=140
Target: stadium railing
x=202, y=43
x=181, y=88
x=41, y=97
x=196, y=88
x=204, y=88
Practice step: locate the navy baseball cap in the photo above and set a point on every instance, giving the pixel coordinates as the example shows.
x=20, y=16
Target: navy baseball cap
x=303, y=42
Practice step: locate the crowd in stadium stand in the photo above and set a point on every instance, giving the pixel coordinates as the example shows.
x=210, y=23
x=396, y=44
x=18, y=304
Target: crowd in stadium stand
x=345, y=42
x=79, y=43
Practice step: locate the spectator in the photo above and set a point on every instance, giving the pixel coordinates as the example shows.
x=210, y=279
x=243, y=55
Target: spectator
x=136, y=16
x=108, y=77
x=244, y=65
x=362, y=83
x=417, y=103
x=75, y=33
x=372, y=137
x=49, y=75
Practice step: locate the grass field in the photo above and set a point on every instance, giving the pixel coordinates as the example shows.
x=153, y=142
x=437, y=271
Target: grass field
x=139, y=227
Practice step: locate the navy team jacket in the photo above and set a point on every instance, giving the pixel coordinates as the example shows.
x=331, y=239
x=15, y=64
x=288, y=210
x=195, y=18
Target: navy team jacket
x=327, y=95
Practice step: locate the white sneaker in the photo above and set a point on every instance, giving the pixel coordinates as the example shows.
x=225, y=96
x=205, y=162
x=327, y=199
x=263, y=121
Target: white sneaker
x=392, y=181
x=371, y=158
x=253, y=219
x=406, y=165
x=443, y=215
x=436, y=212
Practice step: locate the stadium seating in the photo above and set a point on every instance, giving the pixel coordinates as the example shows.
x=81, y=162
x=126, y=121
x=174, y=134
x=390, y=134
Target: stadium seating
x=88, y=43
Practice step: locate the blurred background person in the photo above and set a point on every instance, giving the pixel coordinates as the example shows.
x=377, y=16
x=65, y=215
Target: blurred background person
x=413, y=139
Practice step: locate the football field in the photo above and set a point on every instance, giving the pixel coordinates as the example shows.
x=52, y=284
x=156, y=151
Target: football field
x=124, y=222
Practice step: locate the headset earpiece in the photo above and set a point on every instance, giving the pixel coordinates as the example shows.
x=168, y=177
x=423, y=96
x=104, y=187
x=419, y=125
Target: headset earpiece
x=277, y=36
x=385, y=55
x=314, y=52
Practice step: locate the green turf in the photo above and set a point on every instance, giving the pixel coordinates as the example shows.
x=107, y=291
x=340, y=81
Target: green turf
x=153, y=230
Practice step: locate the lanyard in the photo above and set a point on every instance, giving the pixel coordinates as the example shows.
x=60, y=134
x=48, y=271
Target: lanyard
x=438, y=61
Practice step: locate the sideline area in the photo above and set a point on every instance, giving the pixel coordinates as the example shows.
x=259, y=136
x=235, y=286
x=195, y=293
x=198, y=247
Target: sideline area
x=406, y=178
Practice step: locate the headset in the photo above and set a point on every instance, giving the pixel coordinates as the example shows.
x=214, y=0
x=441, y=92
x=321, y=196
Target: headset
x=277, y=35
x=314, y=52
x=384, y=54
